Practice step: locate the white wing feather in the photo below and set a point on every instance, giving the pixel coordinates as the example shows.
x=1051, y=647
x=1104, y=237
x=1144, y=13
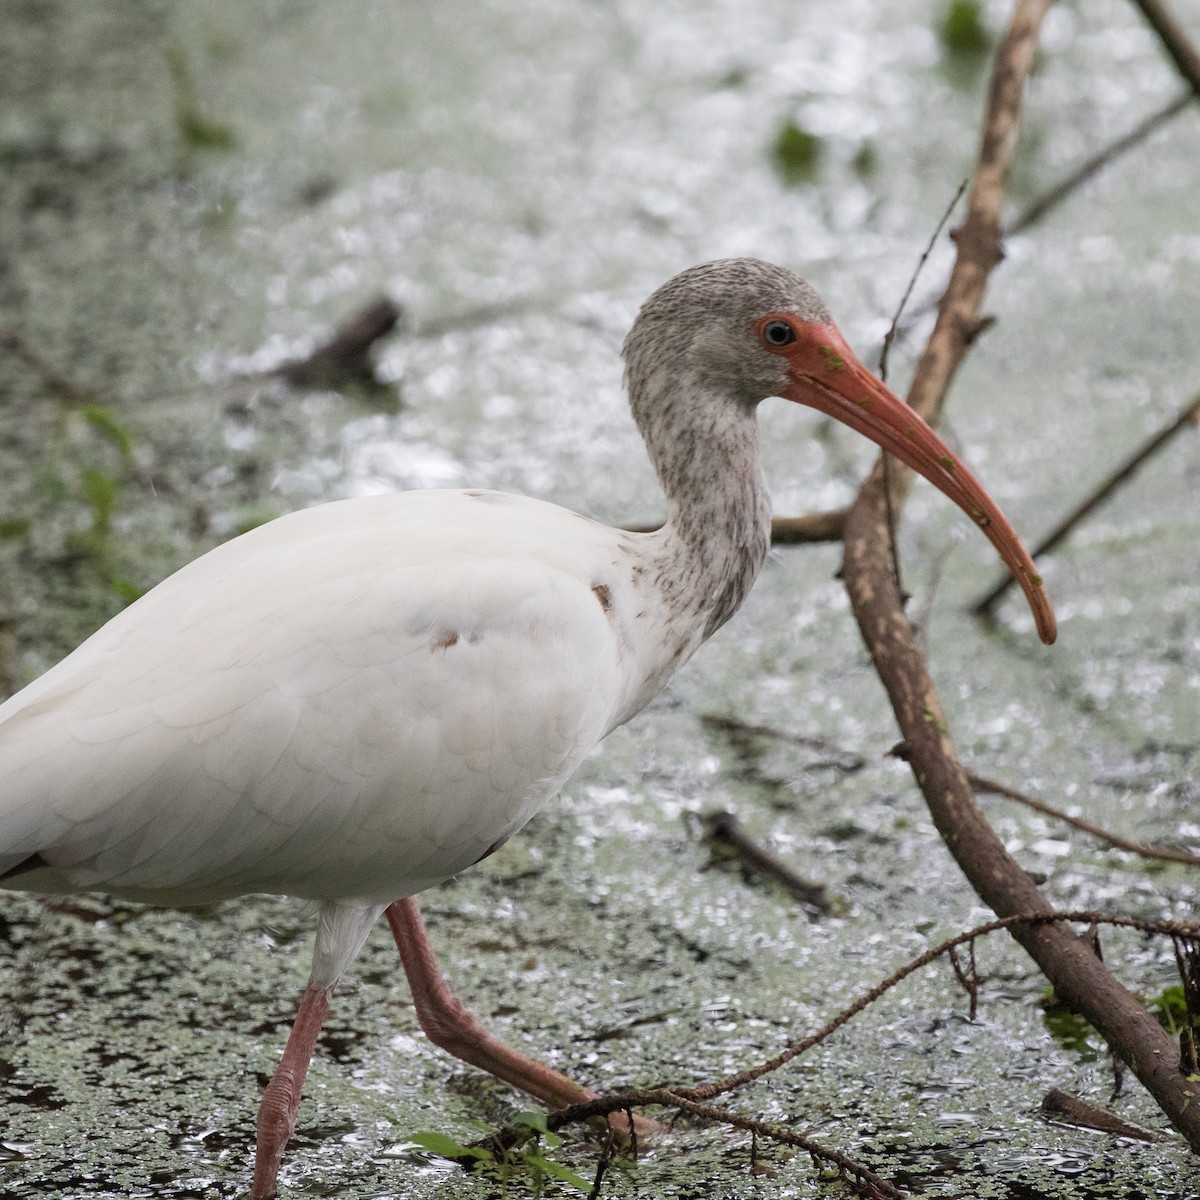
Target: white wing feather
x=355, y=701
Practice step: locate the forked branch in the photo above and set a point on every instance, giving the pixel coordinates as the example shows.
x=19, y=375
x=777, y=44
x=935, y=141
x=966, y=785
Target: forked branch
x=1078, y=976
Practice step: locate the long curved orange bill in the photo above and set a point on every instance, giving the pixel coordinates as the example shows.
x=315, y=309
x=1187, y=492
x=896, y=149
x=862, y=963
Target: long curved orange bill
x=826, y=375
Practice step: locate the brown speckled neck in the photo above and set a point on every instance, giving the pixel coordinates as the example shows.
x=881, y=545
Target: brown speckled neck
x=695, y=376
x=706, y=557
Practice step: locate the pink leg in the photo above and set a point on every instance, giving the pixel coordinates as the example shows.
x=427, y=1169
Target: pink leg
x=448, y=1023
x=281, y=1100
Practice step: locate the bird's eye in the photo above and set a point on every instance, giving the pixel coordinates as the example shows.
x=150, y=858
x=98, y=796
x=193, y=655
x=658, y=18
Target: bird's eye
x=779, y=333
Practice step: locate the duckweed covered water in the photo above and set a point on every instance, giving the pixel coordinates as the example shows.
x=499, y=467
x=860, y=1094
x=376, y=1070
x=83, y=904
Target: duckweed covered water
x=193, y=194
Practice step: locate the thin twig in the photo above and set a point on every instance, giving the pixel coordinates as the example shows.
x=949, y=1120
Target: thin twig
x=740, y=733
x=1093, y=165
x=813, y=527
x=890, y=336
x=726, y=830
x=854, y=1172
x=607, y=1150
x=1174, y=39
x=1186, y=416
x=1055, y=196
x=671, y=1094
x=1145, y=850
x=968, y=978
x=891, y=500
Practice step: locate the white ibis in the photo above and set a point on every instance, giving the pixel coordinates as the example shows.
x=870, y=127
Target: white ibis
x=360, y=700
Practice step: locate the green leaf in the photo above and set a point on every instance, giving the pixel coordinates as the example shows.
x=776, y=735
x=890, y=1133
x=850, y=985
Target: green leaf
x=446, y=1147
x=557, y=1171
x=1170, y=1008
x=532, y=1118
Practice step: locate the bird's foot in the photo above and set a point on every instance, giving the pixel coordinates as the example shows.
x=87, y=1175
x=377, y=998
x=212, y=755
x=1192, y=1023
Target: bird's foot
x=276, y=1121
x=281, y=1100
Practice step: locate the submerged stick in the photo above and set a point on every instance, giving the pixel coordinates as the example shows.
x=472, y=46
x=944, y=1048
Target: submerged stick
x=1074, y=1110
x=347, y=353
x=726, y=830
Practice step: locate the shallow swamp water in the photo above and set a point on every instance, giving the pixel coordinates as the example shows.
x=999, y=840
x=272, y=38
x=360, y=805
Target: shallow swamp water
x=191, y=195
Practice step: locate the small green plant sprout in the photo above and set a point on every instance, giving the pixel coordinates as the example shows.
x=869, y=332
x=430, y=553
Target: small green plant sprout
x=1068, y=1028
x=796, y=153
x=449, y=1148
x=101, y=490
x=961, y=30
x=525, y=1156
x=101, y=419
x=1171, y=1010
x=535, y=1121
x=197, y=131
x=866, y=160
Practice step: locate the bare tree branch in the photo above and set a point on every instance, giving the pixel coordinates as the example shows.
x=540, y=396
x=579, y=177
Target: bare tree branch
x=1175, y=41
x=1093, y=165
x=1167, y=853
x=1078, y=976
x=890, y=336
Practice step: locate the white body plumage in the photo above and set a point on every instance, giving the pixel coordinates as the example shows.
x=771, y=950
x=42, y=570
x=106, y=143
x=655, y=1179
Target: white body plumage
x=353, y=702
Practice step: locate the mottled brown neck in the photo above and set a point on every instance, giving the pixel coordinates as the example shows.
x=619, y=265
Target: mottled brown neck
x=705, y=451
x=696, y=374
